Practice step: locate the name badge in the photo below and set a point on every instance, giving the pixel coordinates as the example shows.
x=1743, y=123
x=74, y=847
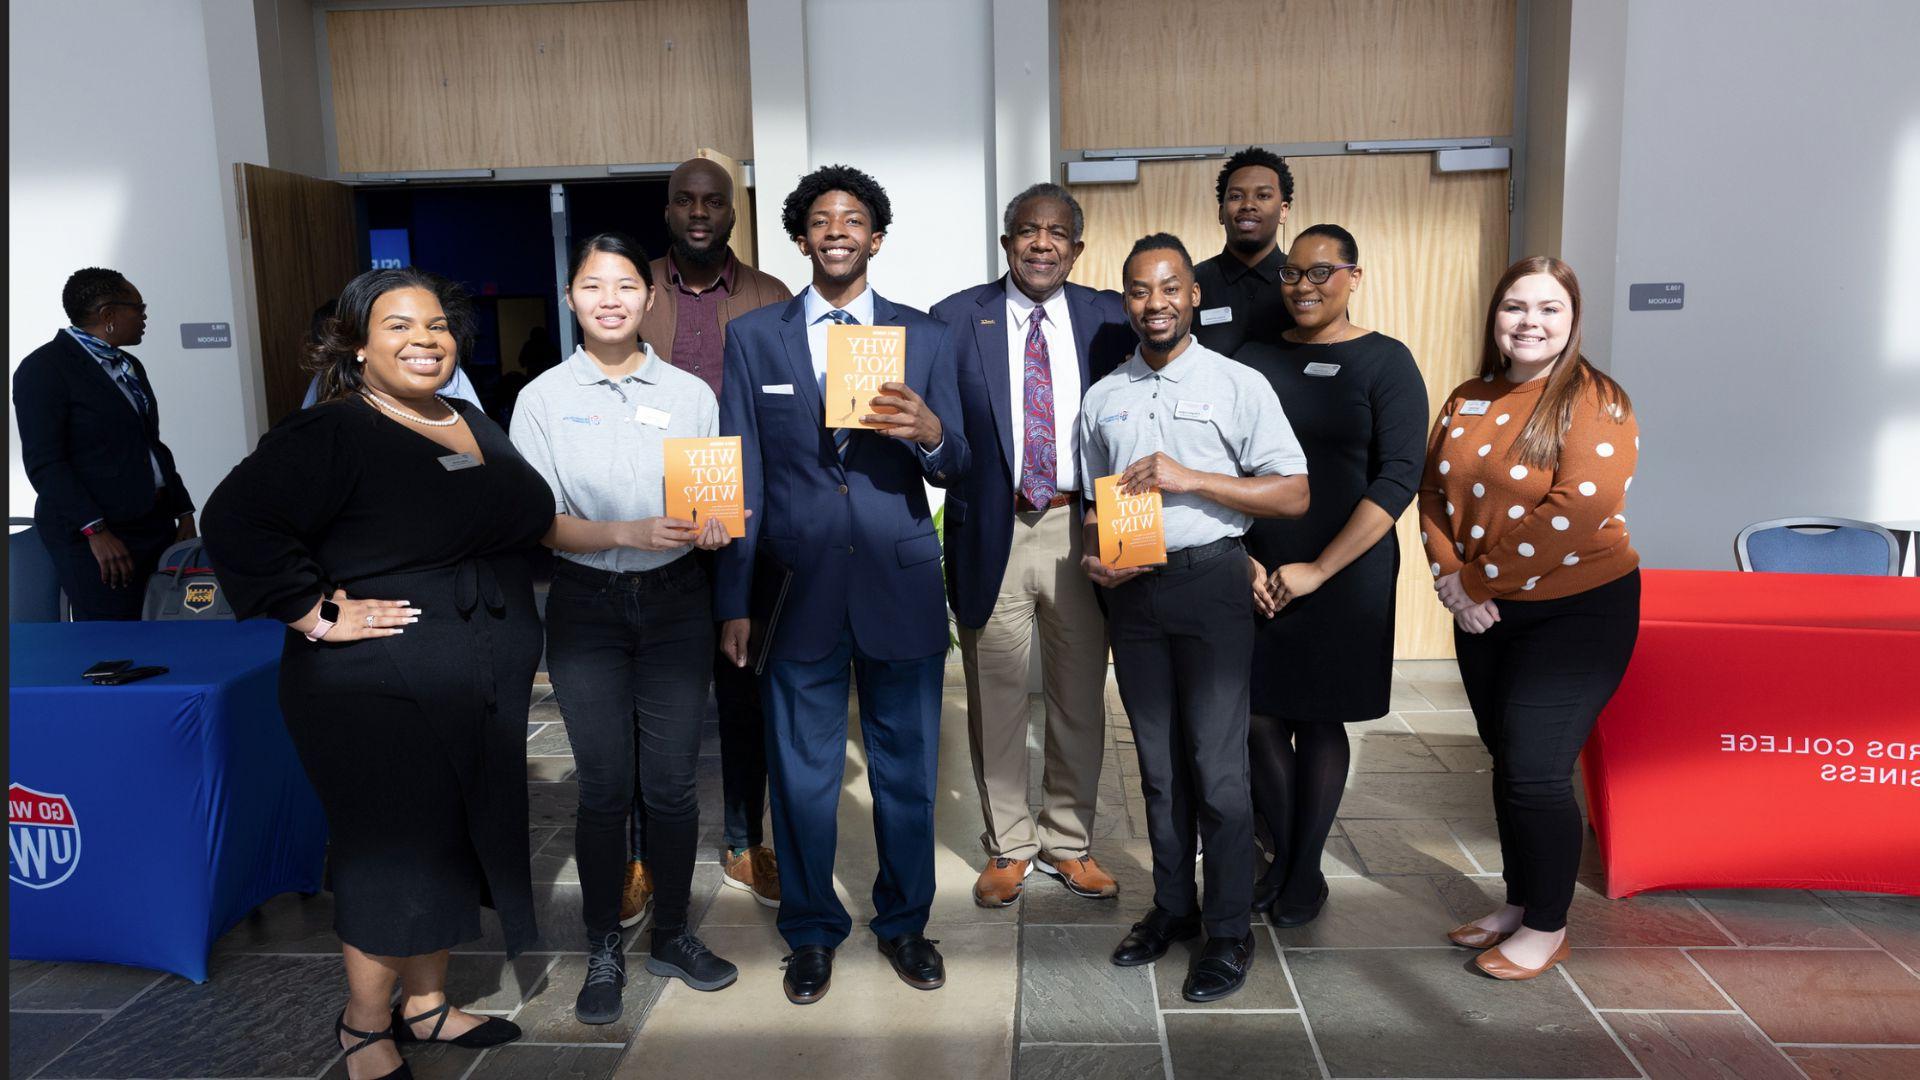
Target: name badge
x=1318, y=368
x=456, y=462
x=647, y=414
x=1193, y=410
x=1214, y=316
x=1474, y=408
x=780, y=388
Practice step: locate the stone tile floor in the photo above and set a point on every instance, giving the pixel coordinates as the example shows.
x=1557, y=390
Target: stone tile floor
x=1708, y=985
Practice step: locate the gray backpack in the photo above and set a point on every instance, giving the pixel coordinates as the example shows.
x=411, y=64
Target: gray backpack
x=183, y=587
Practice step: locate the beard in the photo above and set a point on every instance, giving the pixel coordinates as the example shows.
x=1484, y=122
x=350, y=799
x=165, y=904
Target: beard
x=715, y=253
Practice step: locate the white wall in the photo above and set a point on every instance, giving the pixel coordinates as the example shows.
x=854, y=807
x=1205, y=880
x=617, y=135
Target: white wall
x=903, y=90
x=1769, y=157
x=120, y=143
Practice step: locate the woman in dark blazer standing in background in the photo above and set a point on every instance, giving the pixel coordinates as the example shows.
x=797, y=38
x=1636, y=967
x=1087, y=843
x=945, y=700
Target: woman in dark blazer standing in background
x=388, y=527
x=1324, y=654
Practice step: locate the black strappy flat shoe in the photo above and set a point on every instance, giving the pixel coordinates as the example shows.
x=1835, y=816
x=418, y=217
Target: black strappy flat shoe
x=368, y=1038
x=492, y=1032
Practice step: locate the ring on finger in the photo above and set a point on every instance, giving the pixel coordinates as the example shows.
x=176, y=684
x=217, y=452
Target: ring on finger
x=369, y=622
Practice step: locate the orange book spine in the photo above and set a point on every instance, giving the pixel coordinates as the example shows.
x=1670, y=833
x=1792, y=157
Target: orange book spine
x=704, y=481
x=1132, y=531
x=859, y=360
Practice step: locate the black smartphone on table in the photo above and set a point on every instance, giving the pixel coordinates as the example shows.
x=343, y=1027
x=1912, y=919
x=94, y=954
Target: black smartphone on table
x=132, y=674
x=106, y=667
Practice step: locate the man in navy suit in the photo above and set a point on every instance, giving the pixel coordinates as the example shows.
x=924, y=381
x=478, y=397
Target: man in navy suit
x=1030, y=346
x=845, y=511
x=110, y=501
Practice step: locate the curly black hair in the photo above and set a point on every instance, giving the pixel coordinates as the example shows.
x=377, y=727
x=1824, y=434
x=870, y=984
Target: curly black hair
x=334, y=356
x=793, y=212
x=86, y=290
x=1254, y=155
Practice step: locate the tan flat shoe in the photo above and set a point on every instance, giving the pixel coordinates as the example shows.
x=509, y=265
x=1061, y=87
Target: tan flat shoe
x=1495, y=963
x=1474, y=937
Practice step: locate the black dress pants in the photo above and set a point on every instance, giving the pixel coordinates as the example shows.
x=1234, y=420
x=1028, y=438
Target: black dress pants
x=630, y=656
x=90, y=598
x=1183, y=653
x=1537, y=681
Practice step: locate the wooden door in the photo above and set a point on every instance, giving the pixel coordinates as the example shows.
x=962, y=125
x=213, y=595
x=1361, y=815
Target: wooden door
x=1432, y=245
x=301, y=234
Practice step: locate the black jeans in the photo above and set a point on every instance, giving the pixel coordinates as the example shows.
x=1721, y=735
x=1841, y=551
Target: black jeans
x=629, y=656
x=1537, y=681
x=1183, y=655
x=743, y=761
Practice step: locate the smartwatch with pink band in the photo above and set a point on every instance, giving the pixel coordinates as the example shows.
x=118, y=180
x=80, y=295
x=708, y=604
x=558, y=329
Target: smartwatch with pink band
x=329, y=614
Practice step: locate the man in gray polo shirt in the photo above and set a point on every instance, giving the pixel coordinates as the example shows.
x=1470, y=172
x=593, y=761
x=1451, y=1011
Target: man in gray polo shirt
x=1210, y=436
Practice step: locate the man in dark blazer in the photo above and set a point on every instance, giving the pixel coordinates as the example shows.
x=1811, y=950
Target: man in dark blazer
x=109, y=502
x=1030, y=346
x=845, y=511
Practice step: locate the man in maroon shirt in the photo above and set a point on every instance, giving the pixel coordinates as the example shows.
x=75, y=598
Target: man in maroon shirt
x=702, y=286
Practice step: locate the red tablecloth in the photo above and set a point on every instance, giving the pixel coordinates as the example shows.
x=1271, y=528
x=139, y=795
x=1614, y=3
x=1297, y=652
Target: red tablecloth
x=1767, y=735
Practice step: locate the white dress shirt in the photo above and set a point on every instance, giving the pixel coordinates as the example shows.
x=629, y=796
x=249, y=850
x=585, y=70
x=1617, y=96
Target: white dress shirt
x=815, y=310
x=1064, y=362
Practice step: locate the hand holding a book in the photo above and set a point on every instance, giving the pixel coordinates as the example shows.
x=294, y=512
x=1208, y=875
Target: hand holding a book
x=909, y=417
x=1158, y=472
x=1106, y=576
x=658, y=534
x=714, y=535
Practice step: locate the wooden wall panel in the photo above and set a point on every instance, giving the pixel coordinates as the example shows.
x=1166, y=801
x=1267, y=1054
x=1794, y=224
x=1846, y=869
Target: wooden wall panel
x=532, y=85
x=1141, y=73
x=301, y=235
x=1432, y=245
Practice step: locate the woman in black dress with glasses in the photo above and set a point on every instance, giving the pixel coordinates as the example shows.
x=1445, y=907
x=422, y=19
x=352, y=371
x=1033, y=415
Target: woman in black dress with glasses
x=1323, y=657
x=388, y=527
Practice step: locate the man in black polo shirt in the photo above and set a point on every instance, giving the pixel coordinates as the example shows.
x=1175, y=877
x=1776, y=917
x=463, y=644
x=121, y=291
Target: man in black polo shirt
x=1240, y=287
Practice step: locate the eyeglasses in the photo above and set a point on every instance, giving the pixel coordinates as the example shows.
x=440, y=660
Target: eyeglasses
x=1316, y=274
x=138, y=308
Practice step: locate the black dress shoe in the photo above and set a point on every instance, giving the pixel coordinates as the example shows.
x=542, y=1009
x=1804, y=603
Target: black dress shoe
x=916, y=961
x=1222, y=969
x=1299, y=914
x=809, y=972
x=1265, y=892
x=1152, y=936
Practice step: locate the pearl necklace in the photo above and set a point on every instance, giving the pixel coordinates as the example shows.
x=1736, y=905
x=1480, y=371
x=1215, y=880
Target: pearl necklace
x=374, y=396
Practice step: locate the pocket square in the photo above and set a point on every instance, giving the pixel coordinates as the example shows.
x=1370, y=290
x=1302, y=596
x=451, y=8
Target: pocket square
x=780, y=388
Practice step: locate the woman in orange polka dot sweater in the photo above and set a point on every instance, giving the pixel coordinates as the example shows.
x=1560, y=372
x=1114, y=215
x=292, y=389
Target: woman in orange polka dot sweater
x=1522, y=514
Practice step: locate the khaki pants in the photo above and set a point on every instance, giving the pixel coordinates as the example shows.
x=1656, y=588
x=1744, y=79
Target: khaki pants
x=1044, y=582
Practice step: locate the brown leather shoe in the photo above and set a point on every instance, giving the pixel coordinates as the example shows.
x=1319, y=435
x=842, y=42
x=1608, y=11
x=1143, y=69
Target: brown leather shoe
x=1470, y=936
x=1001, y=882
x=1495, y=963
x=637, y=895
x=753, y=871
x=1082, y=876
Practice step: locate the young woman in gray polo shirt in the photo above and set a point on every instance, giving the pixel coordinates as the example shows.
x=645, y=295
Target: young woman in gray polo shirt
x=629, y=618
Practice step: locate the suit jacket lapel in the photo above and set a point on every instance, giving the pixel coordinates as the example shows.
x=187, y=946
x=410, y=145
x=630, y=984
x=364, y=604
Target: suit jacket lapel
x=103, y=382
x=793, y=335
x=1086, y=322
x=990, y=335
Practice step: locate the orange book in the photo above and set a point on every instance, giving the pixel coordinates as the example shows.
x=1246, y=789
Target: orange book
x=859, y=359
x=1132, y=532
x=703, y=481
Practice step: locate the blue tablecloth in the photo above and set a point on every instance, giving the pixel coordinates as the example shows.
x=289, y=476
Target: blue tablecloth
x=147, y=819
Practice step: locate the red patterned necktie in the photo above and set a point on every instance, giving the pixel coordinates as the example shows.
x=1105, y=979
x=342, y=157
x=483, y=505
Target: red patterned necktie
x=1039, y=457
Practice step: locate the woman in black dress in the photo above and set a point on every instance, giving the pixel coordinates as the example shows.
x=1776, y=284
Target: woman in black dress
x=388, y=528
x=1324, y=654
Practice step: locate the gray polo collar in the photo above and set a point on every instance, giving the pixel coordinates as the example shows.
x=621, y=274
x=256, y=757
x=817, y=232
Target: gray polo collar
x=1189, y=360
x=587, y=373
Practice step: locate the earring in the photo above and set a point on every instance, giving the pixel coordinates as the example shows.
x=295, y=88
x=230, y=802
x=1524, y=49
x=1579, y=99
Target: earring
x=109, y=328
x=360, y=358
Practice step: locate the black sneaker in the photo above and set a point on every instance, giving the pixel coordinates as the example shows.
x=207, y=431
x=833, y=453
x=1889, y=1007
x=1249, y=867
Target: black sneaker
x=679, y=955
x=599, y=1000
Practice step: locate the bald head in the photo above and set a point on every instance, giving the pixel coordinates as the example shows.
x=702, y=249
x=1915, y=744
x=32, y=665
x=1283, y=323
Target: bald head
x=699, y=213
